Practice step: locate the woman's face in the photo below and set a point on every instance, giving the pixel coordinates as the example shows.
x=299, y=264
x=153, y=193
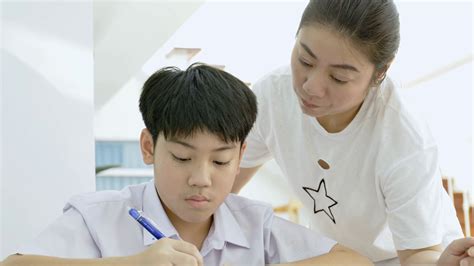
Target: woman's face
x=330, y=76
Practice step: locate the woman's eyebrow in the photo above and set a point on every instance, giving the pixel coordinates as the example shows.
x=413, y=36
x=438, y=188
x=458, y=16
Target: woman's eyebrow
x=342, y=66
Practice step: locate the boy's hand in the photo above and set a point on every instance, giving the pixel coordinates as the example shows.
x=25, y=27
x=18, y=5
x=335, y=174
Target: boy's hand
x=167, y=251
x=459, y=252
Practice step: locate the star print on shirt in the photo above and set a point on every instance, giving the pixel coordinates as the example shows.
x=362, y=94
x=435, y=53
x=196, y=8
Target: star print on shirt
x=322, y=202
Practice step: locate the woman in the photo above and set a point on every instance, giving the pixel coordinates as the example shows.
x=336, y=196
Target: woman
x=351, y=151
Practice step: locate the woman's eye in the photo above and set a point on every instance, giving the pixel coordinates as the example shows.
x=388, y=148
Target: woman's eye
x=221, y=163
x=304, y=63
x=338, y=80
x=179, y=159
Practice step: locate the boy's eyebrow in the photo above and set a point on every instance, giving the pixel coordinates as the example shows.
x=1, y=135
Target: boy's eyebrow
x=223, y=148
x=343, y=66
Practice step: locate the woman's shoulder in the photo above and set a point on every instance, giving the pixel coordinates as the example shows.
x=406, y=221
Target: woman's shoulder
x=275, y=87
x=274, y=80
x=281, y=73
x=400, y=120
x=388, y=96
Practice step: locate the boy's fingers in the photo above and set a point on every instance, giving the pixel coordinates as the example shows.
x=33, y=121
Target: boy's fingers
x=180, y=258
x=190, y=249
x=470, y=252
x=468, y=261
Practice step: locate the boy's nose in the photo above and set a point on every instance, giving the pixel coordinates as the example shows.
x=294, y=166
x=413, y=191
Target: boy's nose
x=200, y=177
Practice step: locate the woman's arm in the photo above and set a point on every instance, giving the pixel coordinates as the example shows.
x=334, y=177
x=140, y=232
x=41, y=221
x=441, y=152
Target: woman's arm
x=425, y=256
x=243, y=178
x=459, y=250
x=339, y=255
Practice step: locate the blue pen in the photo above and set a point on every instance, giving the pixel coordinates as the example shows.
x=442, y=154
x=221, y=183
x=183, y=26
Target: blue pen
x=147, y=223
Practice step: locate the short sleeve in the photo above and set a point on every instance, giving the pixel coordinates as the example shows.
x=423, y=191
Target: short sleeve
x=67, y=237
x=286, y=241
x=257, y=151
x=416, y=201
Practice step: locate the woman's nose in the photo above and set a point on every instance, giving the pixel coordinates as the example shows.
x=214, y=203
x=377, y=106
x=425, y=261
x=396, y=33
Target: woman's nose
x=314, y=86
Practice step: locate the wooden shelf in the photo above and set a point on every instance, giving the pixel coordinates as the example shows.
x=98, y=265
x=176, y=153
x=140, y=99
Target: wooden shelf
x=180, y=51
x=221, y=67
x=458, y=200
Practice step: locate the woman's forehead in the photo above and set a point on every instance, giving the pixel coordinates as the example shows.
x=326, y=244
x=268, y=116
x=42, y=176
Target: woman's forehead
x=327, y=44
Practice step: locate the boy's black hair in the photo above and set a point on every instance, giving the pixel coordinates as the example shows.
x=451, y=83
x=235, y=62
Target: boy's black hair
x=202, y=98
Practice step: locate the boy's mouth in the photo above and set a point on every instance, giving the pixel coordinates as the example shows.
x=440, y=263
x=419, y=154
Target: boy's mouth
x=197, y=201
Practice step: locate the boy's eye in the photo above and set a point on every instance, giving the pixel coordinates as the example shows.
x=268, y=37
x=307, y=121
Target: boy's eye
x=221, y=163
x=179, y=159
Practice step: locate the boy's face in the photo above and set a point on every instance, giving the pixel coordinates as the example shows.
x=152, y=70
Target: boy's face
x=193, y=175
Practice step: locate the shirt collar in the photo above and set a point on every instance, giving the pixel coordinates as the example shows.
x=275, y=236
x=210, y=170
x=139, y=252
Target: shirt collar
x=225, y=227
x=154, y=210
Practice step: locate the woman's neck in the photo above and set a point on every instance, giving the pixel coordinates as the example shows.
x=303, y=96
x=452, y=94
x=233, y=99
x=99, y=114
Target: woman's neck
x=338, y=122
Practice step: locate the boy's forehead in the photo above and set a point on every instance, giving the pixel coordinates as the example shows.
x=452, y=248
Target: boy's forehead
x=199, y=135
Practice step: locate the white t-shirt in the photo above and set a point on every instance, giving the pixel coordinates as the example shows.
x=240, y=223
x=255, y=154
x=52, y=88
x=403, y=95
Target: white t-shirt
x=382, y=192
x=244, y=232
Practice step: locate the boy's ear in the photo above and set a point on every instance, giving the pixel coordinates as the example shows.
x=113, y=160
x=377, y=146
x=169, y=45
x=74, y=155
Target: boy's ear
x=242, y=150
x=147, y=146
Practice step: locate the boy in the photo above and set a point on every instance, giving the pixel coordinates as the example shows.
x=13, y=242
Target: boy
x=196, y=124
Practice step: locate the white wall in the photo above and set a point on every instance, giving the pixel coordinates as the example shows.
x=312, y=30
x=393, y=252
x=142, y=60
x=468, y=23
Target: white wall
x=231, y=33
x=126, y=33
x=1, y=147
x=47, y=142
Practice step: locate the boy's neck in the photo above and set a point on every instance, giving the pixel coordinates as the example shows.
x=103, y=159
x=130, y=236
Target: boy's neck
x=194, y=233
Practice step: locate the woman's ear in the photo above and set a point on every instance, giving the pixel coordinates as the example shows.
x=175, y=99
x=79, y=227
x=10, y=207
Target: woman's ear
x=380, y=74
x=147, y=146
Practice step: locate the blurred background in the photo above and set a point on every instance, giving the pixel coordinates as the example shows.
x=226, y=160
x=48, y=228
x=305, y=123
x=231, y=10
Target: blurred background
x=72, y=71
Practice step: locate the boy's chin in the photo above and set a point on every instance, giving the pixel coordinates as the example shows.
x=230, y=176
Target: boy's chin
x=197, y=219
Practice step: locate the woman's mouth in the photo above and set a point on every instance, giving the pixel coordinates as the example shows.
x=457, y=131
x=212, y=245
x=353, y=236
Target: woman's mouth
x=309, y=105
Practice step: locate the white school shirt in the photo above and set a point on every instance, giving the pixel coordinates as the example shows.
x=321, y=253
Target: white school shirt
x=382, y=192
x=244, y=232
